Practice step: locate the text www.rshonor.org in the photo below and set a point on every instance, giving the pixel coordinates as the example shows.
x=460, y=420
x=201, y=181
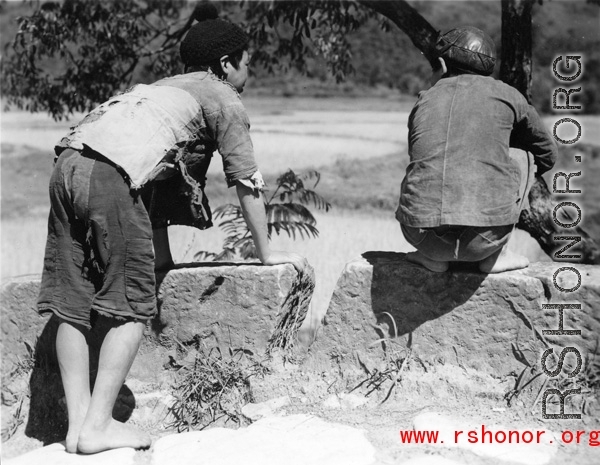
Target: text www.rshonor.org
x=487, y=436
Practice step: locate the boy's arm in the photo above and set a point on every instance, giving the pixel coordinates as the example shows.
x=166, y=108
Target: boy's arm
x=253, y=209
x=530, y=134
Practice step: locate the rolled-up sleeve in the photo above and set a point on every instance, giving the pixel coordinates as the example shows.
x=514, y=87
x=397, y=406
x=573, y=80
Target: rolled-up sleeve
x=231, y=128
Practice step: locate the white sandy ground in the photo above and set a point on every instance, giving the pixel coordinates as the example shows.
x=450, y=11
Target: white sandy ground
x=301, y=439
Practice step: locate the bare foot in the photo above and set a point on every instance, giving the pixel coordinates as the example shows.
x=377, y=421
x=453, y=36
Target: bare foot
x=504, y=260
x=116, y=435
x=76, y=420
x=73, y=436
x=432, y=265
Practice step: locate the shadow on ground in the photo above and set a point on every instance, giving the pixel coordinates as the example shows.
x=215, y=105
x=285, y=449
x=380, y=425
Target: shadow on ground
x=47, y=421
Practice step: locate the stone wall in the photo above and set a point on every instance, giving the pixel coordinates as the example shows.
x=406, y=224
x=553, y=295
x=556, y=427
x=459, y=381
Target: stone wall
x=462, y=317
x=225, y=307
x=491, y=325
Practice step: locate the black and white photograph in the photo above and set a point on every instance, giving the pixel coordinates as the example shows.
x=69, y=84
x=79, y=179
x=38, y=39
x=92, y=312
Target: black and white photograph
x=337, y=232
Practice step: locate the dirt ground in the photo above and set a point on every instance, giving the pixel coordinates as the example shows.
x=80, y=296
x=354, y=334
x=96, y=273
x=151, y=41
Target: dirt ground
x=445, y=389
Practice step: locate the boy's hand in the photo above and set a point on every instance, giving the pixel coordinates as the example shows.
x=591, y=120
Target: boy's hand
x=253, y=209
x=277, y=257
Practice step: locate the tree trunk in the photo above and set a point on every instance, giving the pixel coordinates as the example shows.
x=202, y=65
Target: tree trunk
x=538, y=221
x=516, y=44
x=515, y=70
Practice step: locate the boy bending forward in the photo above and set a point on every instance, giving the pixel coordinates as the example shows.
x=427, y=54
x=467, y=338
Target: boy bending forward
x=100, y=261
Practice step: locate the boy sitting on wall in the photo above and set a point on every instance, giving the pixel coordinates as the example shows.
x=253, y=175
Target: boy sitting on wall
x=464, y=188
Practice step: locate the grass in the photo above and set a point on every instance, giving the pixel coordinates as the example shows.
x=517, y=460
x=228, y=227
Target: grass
x=396, y=358
x=587, y=381
x=211, y=387
x=16, y=419
x=14, y=416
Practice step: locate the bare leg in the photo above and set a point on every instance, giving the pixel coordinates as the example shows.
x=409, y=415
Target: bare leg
x=432, y=265
x=503, y=260
x=162, y=251
x=73, y=359
x=100, y=431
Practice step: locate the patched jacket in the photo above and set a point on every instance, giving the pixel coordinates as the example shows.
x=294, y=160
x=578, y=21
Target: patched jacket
x=460, y=172
x=176, y=122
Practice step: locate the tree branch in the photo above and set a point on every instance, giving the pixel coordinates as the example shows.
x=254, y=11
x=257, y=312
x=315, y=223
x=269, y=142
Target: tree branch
x=538, y=222
x=421, y=33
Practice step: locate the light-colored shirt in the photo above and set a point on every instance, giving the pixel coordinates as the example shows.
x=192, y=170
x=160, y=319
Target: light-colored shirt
x=143, y=129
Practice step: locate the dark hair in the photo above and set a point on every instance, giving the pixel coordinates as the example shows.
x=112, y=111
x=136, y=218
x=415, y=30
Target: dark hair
x=452, y=70
x=435, y=64
x=210, y=39
x=235, y=58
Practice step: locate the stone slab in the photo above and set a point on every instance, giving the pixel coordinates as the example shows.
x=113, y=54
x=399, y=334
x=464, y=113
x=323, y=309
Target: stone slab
x=55, y=454
x=462, y=317
x=291, y=440
x=20, y=324
x=431, y=460
x=230, y=306
x=233, y=305
x=226, y=306
x=497, y=445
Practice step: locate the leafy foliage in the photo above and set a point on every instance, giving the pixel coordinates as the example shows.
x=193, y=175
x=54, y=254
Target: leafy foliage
x=289, y=33
x=286, y=212
x=71, y=55
x=98, y=44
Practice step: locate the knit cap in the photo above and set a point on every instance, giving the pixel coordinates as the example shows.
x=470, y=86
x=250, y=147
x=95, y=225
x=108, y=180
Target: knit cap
x=211, y=38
